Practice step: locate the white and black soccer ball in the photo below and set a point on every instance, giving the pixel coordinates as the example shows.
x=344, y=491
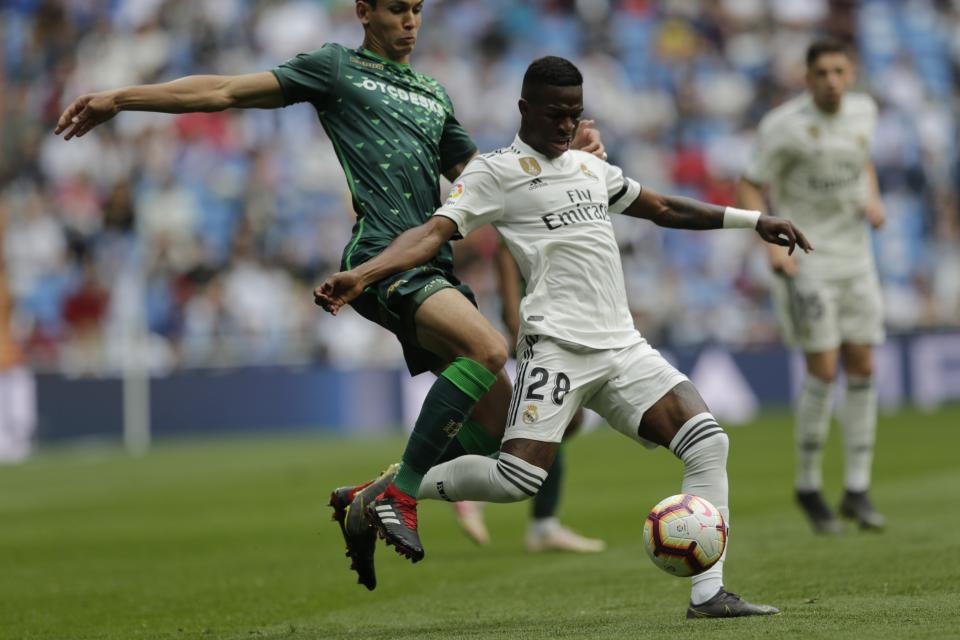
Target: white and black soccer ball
x=684, y=535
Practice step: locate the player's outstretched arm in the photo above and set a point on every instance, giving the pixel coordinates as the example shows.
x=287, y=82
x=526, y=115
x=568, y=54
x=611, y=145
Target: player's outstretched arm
x=410, y=249
x=192, y=93
x=753, y=196
x=686, y=213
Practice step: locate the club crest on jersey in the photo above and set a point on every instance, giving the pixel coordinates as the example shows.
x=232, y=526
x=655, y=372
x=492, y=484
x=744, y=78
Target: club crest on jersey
x=530, y=166
x=814, y=131
x=530, y=415
x=586, y=171
x=456, y=191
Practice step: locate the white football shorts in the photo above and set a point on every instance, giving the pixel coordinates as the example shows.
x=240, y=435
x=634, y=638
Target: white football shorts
x=820, y=315
x=555, y=378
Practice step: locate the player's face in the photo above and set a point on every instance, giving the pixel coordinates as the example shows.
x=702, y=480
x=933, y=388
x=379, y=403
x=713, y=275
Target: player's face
x=392, y=26
x=828, y=78
x=549, y=118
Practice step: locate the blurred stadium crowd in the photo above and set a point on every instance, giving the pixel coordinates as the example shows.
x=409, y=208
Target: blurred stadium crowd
x=218, y=225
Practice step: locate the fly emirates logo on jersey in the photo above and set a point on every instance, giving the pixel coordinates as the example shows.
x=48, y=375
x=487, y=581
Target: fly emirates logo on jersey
x=402, y=95
x=583, y=209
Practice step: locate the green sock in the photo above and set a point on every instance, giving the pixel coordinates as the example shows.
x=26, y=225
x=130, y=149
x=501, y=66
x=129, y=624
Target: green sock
x=474, y=439
x=547, y=500
x=471, y=439
x=449, y=401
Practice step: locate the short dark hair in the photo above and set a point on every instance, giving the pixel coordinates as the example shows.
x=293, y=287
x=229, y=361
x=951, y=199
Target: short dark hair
x=823, y=46
x=551, y=71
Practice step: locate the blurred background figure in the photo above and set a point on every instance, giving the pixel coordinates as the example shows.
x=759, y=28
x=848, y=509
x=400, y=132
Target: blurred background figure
x=814, y=155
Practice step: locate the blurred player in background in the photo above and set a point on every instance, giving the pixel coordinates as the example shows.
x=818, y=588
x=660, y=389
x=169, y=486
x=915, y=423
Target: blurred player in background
x=395, y=134
x=813, y=155
x=580, y=347
x=545, y=532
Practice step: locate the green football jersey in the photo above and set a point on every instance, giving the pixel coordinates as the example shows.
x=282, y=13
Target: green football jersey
x=394, y=133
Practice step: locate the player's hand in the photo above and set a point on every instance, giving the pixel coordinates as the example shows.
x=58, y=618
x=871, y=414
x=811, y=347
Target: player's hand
x=782, y=232
x=586, y=138
x=337, y=290
x=875, y=213
x=85, y=113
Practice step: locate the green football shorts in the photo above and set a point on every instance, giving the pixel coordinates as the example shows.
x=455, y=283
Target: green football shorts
x=393, y=303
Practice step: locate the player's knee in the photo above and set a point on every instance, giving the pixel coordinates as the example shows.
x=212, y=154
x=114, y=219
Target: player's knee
x=491, y=352
x=824, y=370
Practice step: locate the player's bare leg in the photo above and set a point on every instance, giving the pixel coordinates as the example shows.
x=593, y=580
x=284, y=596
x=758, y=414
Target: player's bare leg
x=681, y=422
x=814, y=408
x=858, y=418
x=450, y=326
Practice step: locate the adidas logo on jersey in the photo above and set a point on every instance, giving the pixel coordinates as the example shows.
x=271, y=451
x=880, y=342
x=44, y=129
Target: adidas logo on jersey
x=536, y=183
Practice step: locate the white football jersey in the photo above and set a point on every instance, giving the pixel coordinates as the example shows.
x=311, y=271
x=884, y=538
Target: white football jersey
x=554, y=217
x=814, y=164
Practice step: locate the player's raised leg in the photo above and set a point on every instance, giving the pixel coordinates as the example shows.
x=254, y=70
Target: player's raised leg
x=448, y=325
x=349, y=503
x=858, y=418
x=535, y=424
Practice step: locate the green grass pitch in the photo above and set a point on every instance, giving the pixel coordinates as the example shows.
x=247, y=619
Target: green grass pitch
x=232, y=539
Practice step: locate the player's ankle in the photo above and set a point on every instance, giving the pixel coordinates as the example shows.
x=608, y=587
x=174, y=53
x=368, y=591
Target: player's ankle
x=704, y=591
x=393, y=491
x=543, y=526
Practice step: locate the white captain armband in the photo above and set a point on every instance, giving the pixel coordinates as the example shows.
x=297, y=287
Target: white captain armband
x=625, y=197
x=740, y=218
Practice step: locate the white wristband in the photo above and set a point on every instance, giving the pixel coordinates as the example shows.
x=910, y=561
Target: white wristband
x=740, y=218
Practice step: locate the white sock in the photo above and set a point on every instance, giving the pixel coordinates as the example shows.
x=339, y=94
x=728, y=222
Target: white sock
x=703, y=447
x=470, y=477
x=810, y=431
x=858, y=417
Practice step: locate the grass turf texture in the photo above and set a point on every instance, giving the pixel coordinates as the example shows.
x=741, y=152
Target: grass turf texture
x=231, y=539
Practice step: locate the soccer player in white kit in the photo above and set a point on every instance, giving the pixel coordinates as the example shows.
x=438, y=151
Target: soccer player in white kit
x=813, y=154
x=578, y=344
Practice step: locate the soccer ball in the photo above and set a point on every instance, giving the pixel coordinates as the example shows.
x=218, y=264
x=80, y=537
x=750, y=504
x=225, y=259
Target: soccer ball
x=684, y=535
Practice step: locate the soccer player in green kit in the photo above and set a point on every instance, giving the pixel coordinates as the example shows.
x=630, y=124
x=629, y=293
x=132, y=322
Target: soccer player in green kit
x=395, y=134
